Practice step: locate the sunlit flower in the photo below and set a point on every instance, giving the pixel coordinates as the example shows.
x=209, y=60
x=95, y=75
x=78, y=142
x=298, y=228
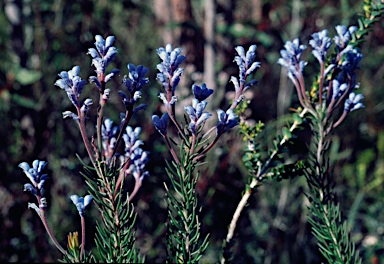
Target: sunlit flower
x=37, y=178
x=344, y=35
x=71, y=82
x=196, y=114
x=81, y=202
x=353, y=102
x=169, y=71
x=161, y=123
x=201, y=92
x=290, y=58
x=227, y=120
x=320, y=43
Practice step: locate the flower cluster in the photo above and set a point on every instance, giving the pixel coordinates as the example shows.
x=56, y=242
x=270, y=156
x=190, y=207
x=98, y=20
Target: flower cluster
x=247, y=65
x=109, y=133
x=136, y=156
x=227, y=120
x=35, y=175
x=320, y=43
x=38, y=180
x=344, y=35
x=102, y=56
x=337, y=77
x=196, y=111
x=134, y=82
x=290, y=58
x=72, y=83
x=169, y=77
x=169, y=71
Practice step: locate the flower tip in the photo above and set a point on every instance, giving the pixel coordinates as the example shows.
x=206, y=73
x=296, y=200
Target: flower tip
x=87, y=200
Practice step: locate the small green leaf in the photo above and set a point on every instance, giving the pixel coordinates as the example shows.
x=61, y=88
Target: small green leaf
x=287, y=134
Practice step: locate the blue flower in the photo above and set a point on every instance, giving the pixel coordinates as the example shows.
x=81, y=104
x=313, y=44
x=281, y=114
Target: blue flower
x=351, y=61
x=84, y=109
x=34, y=173
x=196, y=114
x=165, y=100
x=353, y=102
x=290, y=58
x=161, y=123
x=71, y=82
x=338, y=89
x=81, y=202
x=136, y=78
x=169, y=75
x=138, y=159
x=102, y=56
x=134, y=82
x=320, y=43
x=131, y=139
x=201, y=93
x=227, y=120
x=109, y=133
x=108, y=130
x=69, y=114
x=245, y=61
x=36, y=177
x=344, y=36
x=105, y=50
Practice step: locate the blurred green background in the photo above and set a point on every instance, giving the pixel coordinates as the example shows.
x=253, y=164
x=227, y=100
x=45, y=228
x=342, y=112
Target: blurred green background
x=38, y=39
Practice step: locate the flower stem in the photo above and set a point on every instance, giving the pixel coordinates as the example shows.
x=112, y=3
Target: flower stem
x=45, y=223
x=82, y=238
x=83, y=133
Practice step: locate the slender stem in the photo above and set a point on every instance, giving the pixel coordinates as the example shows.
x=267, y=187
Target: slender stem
x=45, y=223
x=338, y=122
x=83, y=133
x=99, y=129
x=171, y=149
x=174, y=120
x=100, y=116
x=82, y=238
x=121, y=177
x=304, y=103
x=128, y=116
x=135, y=189
x=209, y=132
x=207, y=148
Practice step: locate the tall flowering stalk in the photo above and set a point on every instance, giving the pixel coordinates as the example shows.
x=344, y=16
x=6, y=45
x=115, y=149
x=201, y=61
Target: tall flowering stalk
x=328, y=104
x=115, y=238
x=183, y=238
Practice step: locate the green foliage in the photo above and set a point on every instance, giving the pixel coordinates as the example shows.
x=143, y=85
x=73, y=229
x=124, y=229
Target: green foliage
x=326, y=218
x=32, y=127
x=115, y=237
x=183, y=238
x=372, y=12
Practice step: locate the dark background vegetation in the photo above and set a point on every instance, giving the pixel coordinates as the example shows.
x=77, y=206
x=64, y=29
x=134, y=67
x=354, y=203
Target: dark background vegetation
x=38, y=39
